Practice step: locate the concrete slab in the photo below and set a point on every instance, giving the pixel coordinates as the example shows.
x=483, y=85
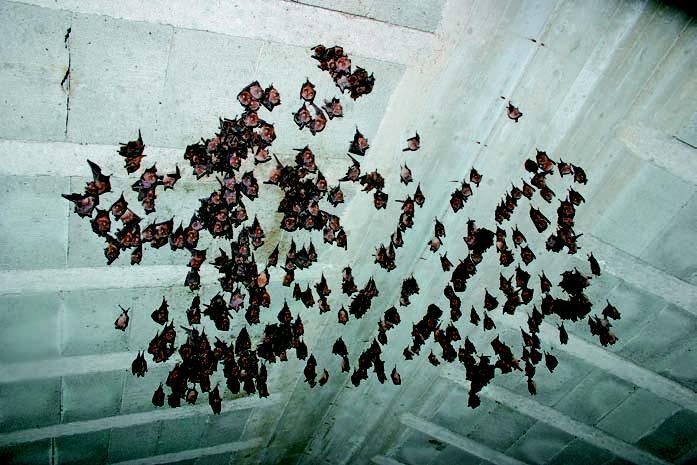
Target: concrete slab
x=29, y=404
x=33, y=67
x=30, y=327
x=91, y=396
x=83, y=449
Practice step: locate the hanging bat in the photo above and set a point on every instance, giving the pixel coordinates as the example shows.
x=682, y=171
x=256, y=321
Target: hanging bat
x=101, y=224
x=475, y=177
x=413, y=144
x=551, y=362
x=139, y=366
x=434, y=244
x=439, y=229
x=336, y=196
x=133, y=153
x=343, y=316
x=359, y=144
x=474, y=317
x=302, y=117
x=307, y=91
x=353, y=172
x=610, y=311
x=539, y=220
x=513, y=112
x=527, y=255
x=595, y=267
x=544, y=162
x=215, y=401
x=333, y=108
x=563, y=335
x=405, y=175
x=191, y=396
x=488, y=323
x=575, y=198
x=158, y=397
x=100, y=183
x=112, y=249
x=122, y=320
x=445, y=263
x=490, y=302
x=380, y=200
x=419, y=198
x=396, y=378
x=161, y=314
x=564, y=168
x=271, y=98
x=579, y=175
x=170, y=179
x=84, y=204
x=396, y=239
x=433, y=360
x=324, y=378
x=532, y=389
x=319, y=122
x=531, y=166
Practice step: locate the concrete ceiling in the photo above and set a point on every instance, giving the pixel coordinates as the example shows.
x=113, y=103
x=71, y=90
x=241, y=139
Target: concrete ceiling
x=613, y=89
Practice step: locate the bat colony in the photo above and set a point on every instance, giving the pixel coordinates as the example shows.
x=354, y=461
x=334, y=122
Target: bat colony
x=243, y=281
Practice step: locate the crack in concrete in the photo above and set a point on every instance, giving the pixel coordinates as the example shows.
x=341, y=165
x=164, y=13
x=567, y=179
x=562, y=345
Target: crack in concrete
x=66, y=82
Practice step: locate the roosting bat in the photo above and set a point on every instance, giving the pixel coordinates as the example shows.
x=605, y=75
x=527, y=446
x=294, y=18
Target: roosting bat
x=513, y=112
x=413, y=144
x=122, y=320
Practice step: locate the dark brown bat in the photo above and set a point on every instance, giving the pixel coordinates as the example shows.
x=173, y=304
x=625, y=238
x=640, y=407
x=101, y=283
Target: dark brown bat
x=433, y=360
x=488, y=323
x=302, y=117
x=490, y=301
x=474, y=317
x=100, y=183
x=532, y=389
x=527, y=255
x=161, y=314
x=139, y=366
x=544, y=162
x=475, y=177
x=513, y=112
x=380, y=200
x=445, y=263
x=112, y=250
x=551, y=362
x=563, y=335
x=271, y=98
x=158, y=397
x=333, y=108
x=215, y=401
x=133, y=153
x=122, y=320
x=419, y=198
x=101, y=224
x=610, y=311
x=353, y=172
x=359, y=144
x=170, y=179
x=579, y=175
x=439, y=229
x=595, y=267
x=539, y=220
x=396, y=378
x=413, y=144
x=575, y=198
x=343, y=316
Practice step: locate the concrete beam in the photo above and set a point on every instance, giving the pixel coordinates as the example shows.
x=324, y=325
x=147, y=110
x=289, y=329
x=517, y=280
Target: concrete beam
x=533, y=409
x=193, y=454
x=642, y=275
x=661, y=149
x=382, y=460
x=455, y=440
x=610, y=362
x=269, y=20
x=125, y=421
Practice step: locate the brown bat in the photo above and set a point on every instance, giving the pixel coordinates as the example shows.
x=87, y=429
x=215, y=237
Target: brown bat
x=333, y=108
x=575, y=198
x=419, y=198
x=490, y=301
x=158, y=397
x=474, y=317
x=324, y=378
x=343, y=316
x=271, y=98
x=513, y=112
x=563, y=335
x=539, y=220
x=433, y=360
x=161, y=314
x=610, y=311
x=396, y=378
x=551, y=362
x=488, y=323
x=445, y=263
x=475, y=177
x=215, y=401
x=595, y=267
x=133, y=153
x=413, y=144
x=100, y=183
x=170, y=179
x=307, y=91
x=359, y=145
x=101, y=224
x=527, y=255
x=122, y=320
x=353, y=172
x=139, y=366
x=579, y=175
x=544, y=162
x=84, y=205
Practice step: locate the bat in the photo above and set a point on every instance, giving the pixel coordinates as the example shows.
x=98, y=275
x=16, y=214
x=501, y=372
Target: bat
x=309, y=371
x=419, y=198
x=532, y=389
x=359, y=144
x=324, y=378
x=539, y=220
x=191, y=395
x=513, y=112
x=474, y=317
x=215, y=401
x=307, y=91
x=490, y=302
x=551, y=362
x=434, y=244
x=395, y=376
x=475, y=177
x=84, y=205
x=445, y=263
x=100, y=183
x=413, y=144
x=439, y=229
x=101, y=224
x=271, y=98
x=137, y=255
x=112, y=249
x=575, y=198
x=333, y=108
x=122, y=320
x=488, y=323
x=433, y=360
x=564, y=168
x=170, y=179
x=610, y=311
x=595, y=267
x=161, y=314
x=579, y=175
x=544, y=162
x=405, y=175
x=380, y=200
x=353, y=172
x=319, y=122
x=343, y=316
x=139, y=366
x=527, y=255
x=302, y=117
x=158, y=397
x=545, y=284
x=133, y=153
x=563, y=335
